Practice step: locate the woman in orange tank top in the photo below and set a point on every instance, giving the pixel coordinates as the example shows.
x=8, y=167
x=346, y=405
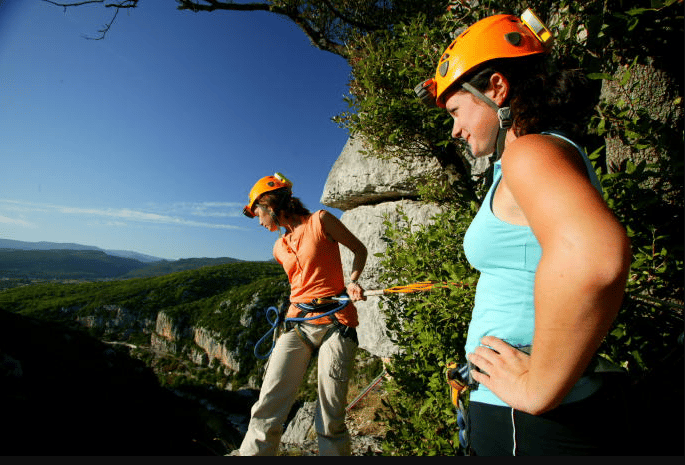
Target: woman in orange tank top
x=310, y=255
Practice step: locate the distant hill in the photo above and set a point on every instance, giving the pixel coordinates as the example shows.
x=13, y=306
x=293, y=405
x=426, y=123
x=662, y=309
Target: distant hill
x=22, y=245
x=52, y=260
x=166, y=267
x=229, y=301
x=64, y=264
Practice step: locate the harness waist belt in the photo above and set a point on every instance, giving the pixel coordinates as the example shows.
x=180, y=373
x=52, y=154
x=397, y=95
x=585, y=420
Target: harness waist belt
x=312, y=308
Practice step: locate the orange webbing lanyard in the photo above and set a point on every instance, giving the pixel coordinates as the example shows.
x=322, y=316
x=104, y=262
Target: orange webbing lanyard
x=421, y=286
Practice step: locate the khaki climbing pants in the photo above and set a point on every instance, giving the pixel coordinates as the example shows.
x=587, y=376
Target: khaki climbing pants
x=285, y=371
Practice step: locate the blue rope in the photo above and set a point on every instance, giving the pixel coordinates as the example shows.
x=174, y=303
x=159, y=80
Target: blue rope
x=274, y=325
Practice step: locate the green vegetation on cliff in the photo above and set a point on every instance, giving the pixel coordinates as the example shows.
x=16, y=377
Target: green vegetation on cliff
x=148, y=295
x=215, y=298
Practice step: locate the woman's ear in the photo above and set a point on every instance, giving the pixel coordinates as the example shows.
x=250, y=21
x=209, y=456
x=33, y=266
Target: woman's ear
x=499, y=86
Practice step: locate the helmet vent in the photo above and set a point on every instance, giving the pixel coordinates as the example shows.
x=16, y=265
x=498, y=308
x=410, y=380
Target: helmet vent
x=514, y=38
x=444, y=66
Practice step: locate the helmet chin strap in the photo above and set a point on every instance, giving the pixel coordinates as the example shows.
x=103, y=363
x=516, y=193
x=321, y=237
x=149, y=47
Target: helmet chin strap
x=281, y=204
x=274, y=218
x=503, y=115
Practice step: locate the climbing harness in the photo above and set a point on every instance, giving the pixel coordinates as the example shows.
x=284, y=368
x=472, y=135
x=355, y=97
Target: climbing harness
x=461, y=382
x=325, y=310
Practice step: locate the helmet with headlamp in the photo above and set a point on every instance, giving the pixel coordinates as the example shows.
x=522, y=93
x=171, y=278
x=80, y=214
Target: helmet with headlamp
x=492, y=38
x=264, y=185
x=499, y=36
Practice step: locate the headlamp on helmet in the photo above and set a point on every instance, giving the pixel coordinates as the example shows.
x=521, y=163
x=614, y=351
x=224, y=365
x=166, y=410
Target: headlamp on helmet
x=538, y=28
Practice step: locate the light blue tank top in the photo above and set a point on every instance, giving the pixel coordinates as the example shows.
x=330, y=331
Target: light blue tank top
x=507, y=256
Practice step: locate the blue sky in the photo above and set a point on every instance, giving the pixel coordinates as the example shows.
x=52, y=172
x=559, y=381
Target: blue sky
x=150, y=139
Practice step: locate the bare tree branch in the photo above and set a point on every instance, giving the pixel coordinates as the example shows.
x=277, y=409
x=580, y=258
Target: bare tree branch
x=326, y=23
x=105, y=28
x=317, y=38
x=213, y=5
x=65, y=5
x=116, y=5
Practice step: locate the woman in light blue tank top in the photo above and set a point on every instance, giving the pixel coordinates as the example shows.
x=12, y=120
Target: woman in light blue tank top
x=553, y=259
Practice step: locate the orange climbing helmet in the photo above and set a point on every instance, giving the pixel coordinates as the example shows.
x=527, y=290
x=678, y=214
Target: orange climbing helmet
x=264, y=185
x=499, y=36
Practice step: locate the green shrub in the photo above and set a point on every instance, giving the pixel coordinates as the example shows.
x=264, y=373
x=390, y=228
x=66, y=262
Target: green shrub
x=429, y=328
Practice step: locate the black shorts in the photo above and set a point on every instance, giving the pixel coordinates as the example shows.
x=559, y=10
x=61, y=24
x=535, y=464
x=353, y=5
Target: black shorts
x=596, y=425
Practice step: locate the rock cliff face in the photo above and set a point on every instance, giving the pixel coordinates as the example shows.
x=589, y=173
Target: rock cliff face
x=114, y=318
x=171, y=336
x=369, y=191
x=166, y=334
x=203, y=346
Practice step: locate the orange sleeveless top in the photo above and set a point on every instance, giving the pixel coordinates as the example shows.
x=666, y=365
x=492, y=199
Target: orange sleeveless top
x=312, y=262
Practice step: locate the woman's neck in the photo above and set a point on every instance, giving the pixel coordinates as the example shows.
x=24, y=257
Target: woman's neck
x=291, y=223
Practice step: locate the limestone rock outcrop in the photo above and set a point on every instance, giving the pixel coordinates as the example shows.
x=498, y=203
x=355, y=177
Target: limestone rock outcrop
x=370, y=190
x=358, y=178
x=366, y=222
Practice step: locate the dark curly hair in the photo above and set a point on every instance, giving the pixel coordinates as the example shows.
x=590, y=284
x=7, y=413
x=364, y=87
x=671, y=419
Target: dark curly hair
x=540, y=100
x=282, y=200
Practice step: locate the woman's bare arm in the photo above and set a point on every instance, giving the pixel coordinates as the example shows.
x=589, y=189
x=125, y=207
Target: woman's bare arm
x=579, y=282
x=338, y=232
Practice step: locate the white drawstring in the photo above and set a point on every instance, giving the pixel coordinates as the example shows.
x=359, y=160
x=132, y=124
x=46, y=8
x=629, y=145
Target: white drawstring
x=513, y=429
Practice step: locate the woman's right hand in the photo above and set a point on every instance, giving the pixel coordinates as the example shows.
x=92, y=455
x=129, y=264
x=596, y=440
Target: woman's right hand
x=355, y=291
